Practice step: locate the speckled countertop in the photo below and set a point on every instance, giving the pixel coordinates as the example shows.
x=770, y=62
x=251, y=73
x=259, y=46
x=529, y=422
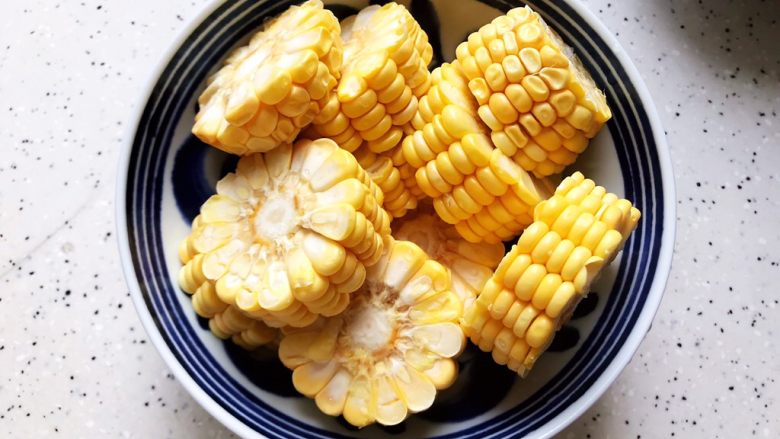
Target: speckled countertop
x=75, y=361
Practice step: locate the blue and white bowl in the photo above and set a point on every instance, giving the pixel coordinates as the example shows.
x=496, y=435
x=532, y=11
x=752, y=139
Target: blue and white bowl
x=166, y=173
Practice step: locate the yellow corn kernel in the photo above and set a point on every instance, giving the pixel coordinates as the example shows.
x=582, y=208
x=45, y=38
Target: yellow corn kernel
x=270, y=89
x=277, y=237
x=384, y=72
x=206, y=302
x=540, y=103
x=390, y=351
x=535, y=288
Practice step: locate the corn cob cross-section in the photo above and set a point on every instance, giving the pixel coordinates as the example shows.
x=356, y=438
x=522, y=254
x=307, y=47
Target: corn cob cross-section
x=385, y=69
x=540, y=103
x=274, y=86
x=390, y=351
x=577, y=232
x=470, y=264
x=287, y=237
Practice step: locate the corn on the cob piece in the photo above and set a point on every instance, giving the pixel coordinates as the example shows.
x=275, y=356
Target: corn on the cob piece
x=241, y=329
x=384, y=71
x=380, y=167
x=225, y=321
x=270, y=89
x=390, y=351
x=575, y=234
x=540, y=103
x=448, y=134
x=288, y=236
x=470, y=265
x=474, y=185
x=493, y=205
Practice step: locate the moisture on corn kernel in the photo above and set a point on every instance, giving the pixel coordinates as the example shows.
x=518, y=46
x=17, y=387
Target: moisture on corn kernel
x=540, y=103
x=287, y=237
x=270, y=89
x=390, y=351
x=534, y=290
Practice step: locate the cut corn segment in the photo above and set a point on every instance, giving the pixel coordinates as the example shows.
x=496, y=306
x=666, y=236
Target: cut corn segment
x=274, y=86
x=398, y=197
x=288, y=236
x=225, y=321
x=535, y=288
x=448, y=134
x=540, y=103
x=390, y=351
x=384, y=71
x=474, y=185
x=244, y=331
x=470, y=265
x=493, y=205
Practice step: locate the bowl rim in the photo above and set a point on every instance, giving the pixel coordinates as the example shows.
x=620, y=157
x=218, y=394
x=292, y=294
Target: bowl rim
x=553, y=426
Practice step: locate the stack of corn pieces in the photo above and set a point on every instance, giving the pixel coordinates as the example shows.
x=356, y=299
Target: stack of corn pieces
x=362, y=232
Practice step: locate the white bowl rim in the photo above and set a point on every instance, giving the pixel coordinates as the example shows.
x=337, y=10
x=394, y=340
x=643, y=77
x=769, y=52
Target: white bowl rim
x=553, y=426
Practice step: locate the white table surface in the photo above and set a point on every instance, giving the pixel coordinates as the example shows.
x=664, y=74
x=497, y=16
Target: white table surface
x=75, y=362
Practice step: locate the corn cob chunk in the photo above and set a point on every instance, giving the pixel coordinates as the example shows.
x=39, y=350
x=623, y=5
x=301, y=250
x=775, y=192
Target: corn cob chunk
x=270, y=89
x=242, y=330
x=390, y=351
x=470, y=265
x=448, y=135
x=380, y=167
x=473, y=185
x=225, y=321
x=534, y=290
x=289, y=235
x=540, y=103
x=384, y=71
x=493, y=205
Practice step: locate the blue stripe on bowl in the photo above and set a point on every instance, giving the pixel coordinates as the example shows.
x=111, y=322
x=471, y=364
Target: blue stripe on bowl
x=630, y=127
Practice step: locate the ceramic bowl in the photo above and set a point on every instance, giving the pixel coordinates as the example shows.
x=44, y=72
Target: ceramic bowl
x=166, y=173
